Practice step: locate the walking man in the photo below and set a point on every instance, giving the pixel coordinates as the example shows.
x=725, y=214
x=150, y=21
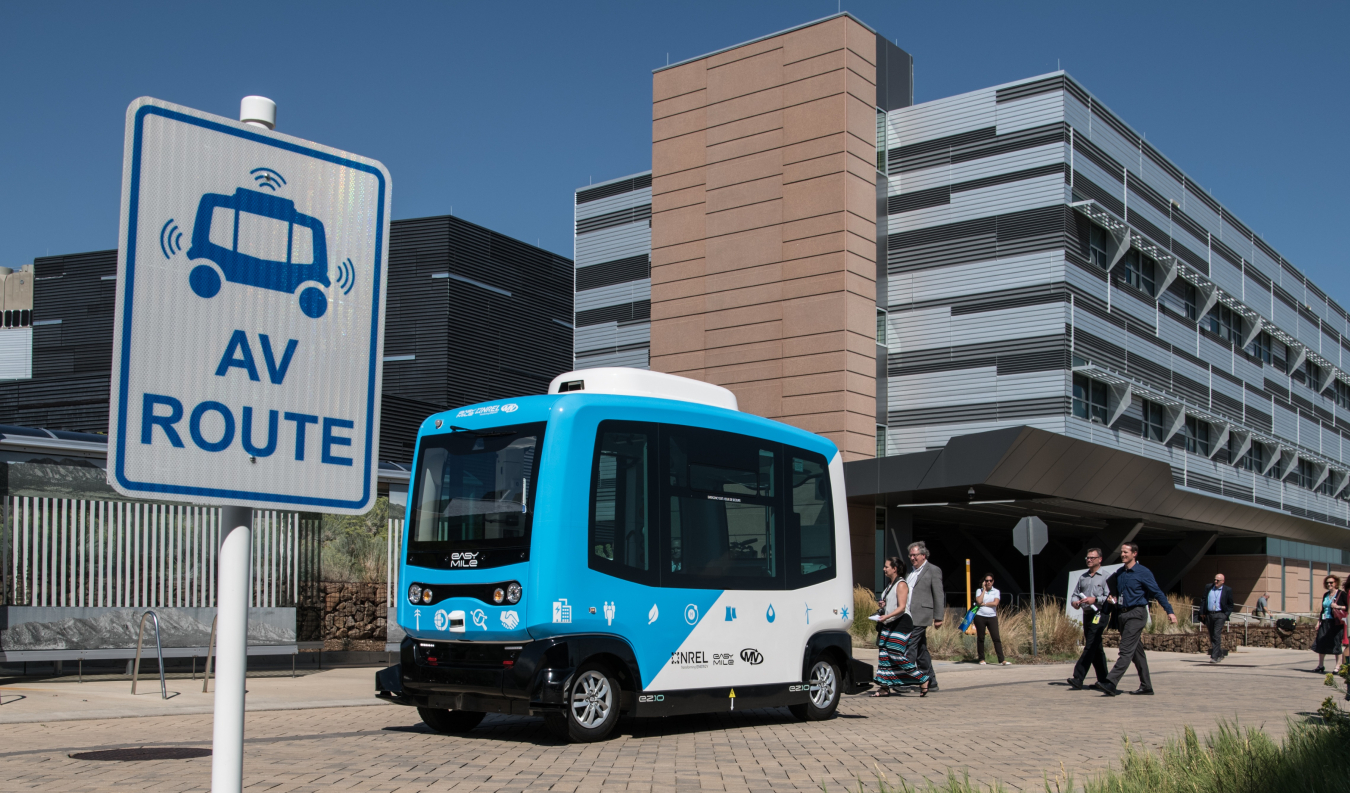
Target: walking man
x=927, y=607
x=1215, y=612
x=1134, y=586
x=1090, y=594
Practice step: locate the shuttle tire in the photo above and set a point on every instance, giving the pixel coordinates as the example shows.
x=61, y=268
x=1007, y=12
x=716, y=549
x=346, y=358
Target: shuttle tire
x=826, y=683
x=592, y=709
x=450, y=721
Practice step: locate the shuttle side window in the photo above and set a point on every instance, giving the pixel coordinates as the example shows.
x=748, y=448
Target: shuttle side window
x=722, y=512
x=810, y=537
x=622, y=531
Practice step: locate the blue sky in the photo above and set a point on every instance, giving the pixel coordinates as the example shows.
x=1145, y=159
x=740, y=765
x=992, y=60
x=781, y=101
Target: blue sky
x=498, y=111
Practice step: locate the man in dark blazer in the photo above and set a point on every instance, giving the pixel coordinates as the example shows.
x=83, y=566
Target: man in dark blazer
x=1215, y=608
x=927, y=607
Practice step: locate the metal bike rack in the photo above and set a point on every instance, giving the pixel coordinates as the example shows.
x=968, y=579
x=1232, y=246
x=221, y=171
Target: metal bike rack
x=159, y=650
x=210, y=650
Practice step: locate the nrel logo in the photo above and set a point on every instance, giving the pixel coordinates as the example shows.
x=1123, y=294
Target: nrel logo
x=246, y=362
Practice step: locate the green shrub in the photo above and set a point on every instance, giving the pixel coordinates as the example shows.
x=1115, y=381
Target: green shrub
x=864, y=606
x=1312, y=758
x=355, y=547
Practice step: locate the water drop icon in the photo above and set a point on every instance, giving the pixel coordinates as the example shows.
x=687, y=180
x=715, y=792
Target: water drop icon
x=770, y=615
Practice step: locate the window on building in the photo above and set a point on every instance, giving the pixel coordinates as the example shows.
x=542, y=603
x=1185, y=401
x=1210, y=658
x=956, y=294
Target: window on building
x=881, y=440
x=880, y=139
x=1100, y=245
x=1260, y=347
x=1340, y=391
x=810, y=520
x=1155, y=421
x=622, y=531
x=1181, y=297
x=1141, y=272
x=1225, y=323
x=1255, y=459
x=1196, y=433
x=1089, y=399
x=1303, y=474
x=881, y=327
x=1314, y=376
x=1325, y=487
x=724, y=521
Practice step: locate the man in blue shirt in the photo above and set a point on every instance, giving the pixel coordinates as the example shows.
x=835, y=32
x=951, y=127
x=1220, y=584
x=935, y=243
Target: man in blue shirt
x=1134, y=586
x=1215, y=610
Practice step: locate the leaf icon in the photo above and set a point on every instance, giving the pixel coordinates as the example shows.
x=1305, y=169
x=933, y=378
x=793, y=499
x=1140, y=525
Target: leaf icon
x=653, y=614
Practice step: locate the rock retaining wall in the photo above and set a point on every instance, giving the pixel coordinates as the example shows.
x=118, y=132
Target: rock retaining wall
x=1235, y=636
x=353, y=616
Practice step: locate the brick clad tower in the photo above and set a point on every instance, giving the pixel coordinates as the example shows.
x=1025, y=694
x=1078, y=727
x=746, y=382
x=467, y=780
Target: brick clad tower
x=764, y=227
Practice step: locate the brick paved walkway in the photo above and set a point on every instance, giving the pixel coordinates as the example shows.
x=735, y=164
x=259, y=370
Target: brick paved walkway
x=1005, y=723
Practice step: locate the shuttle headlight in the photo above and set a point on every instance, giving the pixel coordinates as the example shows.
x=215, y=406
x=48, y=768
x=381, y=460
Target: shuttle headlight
x=414, y=593
x=513, y=593
x=426, y=595
x=498, y=595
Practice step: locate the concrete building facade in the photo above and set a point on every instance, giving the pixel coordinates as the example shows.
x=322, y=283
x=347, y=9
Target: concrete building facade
x=997, y=304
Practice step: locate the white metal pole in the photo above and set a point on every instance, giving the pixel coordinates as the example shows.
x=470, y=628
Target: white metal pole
x=232, y=594
x=227, y=743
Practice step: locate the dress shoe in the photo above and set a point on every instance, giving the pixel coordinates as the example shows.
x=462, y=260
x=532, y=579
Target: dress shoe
x=1074, y=684
x=1094, y=686
x=1143, y=691
x=1108, y=690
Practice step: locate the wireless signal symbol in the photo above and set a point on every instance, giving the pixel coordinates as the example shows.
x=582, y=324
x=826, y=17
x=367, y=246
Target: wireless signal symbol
x=266, y=177
x=346, y=276
x=170, y=239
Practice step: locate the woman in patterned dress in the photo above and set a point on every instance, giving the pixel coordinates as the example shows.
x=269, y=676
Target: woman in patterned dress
x=894, y=626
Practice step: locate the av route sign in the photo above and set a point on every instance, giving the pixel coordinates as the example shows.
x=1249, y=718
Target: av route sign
x=250, y=316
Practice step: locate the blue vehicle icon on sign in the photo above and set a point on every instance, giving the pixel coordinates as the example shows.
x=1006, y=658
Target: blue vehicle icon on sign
x=259, y=240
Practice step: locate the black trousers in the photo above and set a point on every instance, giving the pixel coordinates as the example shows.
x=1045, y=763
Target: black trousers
x=1132, y=622
x=918, y=653
x=1093, y=656
x=1216, y=620
x=990, y=624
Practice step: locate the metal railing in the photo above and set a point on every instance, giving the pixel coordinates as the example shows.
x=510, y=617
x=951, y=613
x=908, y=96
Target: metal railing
x=159, y=651
x=123, y=554
x=392, y=559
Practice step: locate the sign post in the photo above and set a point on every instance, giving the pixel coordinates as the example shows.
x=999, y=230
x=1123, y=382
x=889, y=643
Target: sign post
x=251, y=278
x=1030, y=536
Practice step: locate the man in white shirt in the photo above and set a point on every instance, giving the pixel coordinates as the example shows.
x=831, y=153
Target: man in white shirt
x=927, y=607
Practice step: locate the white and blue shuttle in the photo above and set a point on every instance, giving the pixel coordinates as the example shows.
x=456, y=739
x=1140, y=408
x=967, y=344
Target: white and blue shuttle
x=629, y=543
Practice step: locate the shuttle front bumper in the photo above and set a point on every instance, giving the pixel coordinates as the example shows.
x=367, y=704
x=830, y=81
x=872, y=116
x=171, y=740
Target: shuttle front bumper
x=521, y=678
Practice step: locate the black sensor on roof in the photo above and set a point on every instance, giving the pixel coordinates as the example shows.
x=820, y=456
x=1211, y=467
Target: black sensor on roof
x=572, y=385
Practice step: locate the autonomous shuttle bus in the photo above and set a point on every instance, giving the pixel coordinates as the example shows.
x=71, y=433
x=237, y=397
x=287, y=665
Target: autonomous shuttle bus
x=629, y=543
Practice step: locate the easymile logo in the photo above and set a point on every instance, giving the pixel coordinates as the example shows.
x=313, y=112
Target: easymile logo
x=464, y=559
x=752, y=657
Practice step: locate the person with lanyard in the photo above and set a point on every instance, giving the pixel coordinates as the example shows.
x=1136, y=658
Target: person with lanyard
x=894, y=626
x=1089, y=595
x=986, y=619
x=1134, y=586
x=1218, y=607
x=1331, y=626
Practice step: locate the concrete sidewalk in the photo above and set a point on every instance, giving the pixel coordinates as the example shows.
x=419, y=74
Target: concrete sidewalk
x=63, y=699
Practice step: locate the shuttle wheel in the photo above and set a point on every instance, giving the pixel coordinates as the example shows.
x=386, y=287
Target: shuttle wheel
x=592, y=707
x=824, y=701
x=442, y=720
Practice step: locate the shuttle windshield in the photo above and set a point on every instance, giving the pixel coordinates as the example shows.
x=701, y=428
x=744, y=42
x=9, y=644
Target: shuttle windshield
x=474, y=490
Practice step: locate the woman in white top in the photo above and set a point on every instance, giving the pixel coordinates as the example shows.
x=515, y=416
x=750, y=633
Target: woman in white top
x=986, y=619
x=894, y=626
